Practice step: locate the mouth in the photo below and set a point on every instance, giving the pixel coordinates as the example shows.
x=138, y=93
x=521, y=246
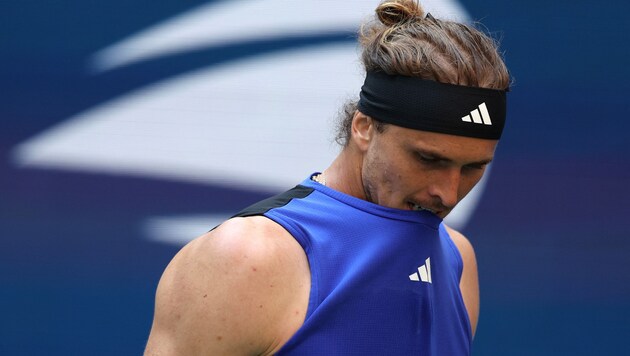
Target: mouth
x=416, y=207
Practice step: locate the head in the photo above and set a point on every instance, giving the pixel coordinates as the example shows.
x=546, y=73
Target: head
x=410, y=168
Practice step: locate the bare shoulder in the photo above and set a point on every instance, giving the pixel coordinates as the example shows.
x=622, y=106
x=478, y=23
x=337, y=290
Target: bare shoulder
x=469, y=283
x=239, y=289
x=463, y=244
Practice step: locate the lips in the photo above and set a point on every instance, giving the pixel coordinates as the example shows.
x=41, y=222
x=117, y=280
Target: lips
x=416, y=207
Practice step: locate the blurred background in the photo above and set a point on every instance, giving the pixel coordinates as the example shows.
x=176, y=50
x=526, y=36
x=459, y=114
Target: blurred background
x=129, y=128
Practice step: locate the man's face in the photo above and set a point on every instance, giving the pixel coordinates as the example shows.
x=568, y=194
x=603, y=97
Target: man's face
x=412, y=170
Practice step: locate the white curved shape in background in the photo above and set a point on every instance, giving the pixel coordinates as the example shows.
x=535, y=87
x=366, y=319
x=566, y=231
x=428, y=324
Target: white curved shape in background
x=225, y=22
x=263, y=123
x=246, y=123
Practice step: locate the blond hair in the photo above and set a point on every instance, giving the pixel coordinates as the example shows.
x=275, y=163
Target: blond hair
x=402, y=40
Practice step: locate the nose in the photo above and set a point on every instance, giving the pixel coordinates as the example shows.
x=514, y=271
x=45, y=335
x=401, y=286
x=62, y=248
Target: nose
x=445, y=187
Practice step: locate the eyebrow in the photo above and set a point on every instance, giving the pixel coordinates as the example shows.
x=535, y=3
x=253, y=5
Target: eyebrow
x=439, y=157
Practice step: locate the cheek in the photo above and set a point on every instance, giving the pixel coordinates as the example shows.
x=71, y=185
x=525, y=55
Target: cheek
x=396, y=174
x=376, y=172
x=383, y=173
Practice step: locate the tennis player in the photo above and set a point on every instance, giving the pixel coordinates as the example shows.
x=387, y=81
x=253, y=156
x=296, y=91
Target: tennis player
x=356, y=259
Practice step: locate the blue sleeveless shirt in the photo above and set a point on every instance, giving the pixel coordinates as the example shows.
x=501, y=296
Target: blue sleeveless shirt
x=383, y=281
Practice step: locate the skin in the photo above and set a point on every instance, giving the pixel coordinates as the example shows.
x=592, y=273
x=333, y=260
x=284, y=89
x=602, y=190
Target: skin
x=243, y=288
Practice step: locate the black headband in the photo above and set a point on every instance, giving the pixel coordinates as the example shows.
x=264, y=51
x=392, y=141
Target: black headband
x=428, y=105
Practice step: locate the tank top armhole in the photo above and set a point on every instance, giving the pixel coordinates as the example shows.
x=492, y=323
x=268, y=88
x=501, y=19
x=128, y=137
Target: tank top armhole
x=459, y=262
x=460, y=268
x=298, y=234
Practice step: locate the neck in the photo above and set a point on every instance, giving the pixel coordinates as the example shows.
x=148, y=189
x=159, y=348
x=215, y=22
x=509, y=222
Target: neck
x=344, y=174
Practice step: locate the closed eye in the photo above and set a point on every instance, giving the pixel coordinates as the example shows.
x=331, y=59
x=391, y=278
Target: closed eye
x=427, y=158
x=424, y=158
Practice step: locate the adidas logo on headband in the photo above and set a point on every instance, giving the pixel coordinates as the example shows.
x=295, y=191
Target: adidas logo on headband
x=427, y=105
x=479, y=115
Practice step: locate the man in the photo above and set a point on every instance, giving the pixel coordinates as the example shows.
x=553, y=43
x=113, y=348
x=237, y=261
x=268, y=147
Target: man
x=356, y=260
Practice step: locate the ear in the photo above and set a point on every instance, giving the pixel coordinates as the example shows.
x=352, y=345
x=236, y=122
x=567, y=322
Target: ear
x=362, y=130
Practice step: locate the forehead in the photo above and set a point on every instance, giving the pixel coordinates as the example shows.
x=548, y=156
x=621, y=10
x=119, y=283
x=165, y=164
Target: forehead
x=456, y=148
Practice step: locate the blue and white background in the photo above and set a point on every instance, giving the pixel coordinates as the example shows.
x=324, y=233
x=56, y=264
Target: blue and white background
x=129, y=128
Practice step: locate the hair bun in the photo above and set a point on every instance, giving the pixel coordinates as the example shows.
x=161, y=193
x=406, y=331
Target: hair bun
x=391, y=13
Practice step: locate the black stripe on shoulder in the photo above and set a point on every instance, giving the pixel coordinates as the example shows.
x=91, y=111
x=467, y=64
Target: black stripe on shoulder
x=282, y=199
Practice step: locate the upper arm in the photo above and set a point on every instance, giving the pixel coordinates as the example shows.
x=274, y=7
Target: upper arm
x=228, y=292
x=469, y=283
